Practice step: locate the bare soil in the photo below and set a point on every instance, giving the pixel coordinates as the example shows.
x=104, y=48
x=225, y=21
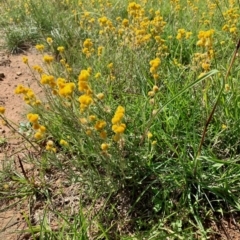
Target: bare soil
x=13, y=72
x=12, y=218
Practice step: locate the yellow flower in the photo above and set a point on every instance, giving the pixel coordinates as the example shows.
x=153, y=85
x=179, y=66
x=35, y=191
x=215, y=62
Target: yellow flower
x=49, y=40
x=51, y=149
x=104, y=146
x=151, y=93
x=67, y=90
x=84, y=87
x=233, y=30
x=181, y=34
x=83, y=120
x=25, y=60
x=39, y=47
x=224, y=126
x=100, y=49
x=89, y=132
x=38, y=69
x=42, y=129
x=119, y=128
x=63, y=143
x=2, y=110
x=155, y=62
x=97, y=75
x=100, y=125
x=38, y=135
x=125, y=22
x=84, y=75
x=48, y=59
x=110, y=65
x=92, y=118
x=20, y=89
x=32, y=118
x=206, y=66
x=87, y=43
x=85, y=99
x=48, y=79
x=149, y=135
x=103, y=134
x=37, y=102
x=155, y=88
x=60, y=49
x=36, y=126
x=100, y=96
x=63, y=61
x=89, y=69
x=50, y=143
x=118, y=116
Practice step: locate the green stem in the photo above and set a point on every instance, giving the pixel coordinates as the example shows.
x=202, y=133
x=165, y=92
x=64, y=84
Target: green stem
x=215, y=106
x=10, y=126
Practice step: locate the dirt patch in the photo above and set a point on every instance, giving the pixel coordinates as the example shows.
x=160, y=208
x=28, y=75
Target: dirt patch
x=13, y=72
x=226, y=229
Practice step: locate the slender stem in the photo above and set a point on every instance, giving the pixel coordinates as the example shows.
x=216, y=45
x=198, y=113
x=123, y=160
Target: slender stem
x=215, y=105
x=10, y=126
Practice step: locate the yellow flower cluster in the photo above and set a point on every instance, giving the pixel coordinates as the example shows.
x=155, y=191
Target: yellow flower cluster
x=67, y=66
x=117, y=126
x=205, y=39
x=203, y=60
x=85, y=100
x=40, y=129
x=38, y=69
x=65, y=89
x=231, y=17
x=157, y=24
x=88, y=47
x=183, y=34
x=25, y=60
x=48, y=59
x=103, y=21
x=100, y=50
x=106, y=25
x=155, y=63
x=100, y=124
x=39, y=47
x=86, y=21
x=61, y=49
x=50, y=146
x=134, y=9
x=104, y=147
x=49, y=80
x=29, y=96
x=97, y=124
x=64, y=143
x=152, y=93
x=49, y=41
x=83, y=86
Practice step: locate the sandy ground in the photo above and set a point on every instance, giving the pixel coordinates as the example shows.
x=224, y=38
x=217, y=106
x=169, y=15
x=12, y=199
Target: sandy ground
x=13, y=72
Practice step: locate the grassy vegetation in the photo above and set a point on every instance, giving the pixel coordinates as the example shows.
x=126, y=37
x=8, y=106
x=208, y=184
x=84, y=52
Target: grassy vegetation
x=139, y=126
